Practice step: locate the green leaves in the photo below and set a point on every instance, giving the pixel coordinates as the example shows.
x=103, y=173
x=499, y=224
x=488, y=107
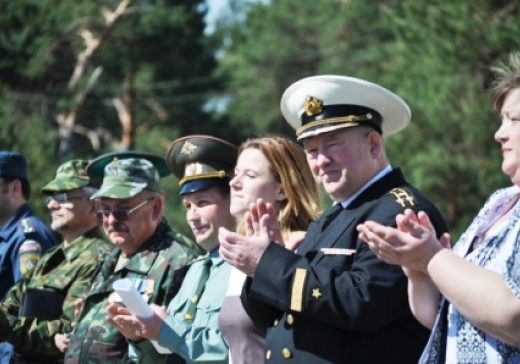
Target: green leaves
x=436, y=55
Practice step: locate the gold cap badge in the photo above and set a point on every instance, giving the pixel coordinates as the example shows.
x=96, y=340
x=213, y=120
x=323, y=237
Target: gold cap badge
x=188, y=148
x=313, y=106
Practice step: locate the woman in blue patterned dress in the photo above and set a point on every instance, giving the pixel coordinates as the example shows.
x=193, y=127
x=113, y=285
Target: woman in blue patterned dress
x=468, y=296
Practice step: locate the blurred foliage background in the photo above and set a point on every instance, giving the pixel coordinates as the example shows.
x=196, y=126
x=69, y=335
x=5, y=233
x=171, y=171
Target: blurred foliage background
x=80, y=78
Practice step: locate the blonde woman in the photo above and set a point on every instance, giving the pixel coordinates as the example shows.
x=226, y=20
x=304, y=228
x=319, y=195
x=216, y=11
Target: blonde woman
x=275, y=170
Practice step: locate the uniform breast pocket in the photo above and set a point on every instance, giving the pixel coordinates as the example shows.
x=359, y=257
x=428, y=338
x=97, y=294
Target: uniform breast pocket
x=208, y=309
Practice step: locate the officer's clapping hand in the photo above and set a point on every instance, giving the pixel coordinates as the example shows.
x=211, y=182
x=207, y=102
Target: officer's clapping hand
x=295, y=240
x=411, y=245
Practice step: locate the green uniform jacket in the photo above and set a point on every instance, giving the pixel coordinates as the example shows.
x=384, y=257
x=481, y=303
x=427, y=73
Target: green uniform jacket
x=195, y=339
x=66, y=270
x=157, y=271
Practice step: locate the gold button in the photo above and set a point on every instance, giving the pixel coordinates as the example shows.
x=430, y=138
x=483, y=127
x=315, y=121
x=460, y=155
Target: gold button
x=290, y=319
x=275, y=323
x=268, y=354
x=194, y=299
x=286, y=353
x=188, y=317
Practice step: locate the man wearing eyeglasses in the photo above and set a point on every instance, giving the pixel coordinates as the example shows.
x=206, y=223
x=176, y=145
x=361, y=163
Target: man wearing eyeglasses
x=42, y=305
x=23, y=237
x=189, y=326
x=148, y=252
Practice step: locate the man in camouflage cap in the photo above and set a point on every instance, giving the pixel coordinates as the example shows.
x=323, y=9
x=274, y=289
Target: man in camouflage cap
x=148, y=251
x=23, y=237
x=42, y=305
x=189, y=326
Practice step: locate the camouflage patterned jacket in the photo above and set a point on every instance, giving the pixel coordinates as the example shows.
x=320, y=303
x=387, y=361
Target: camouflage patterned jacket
x=157, y=271
x=65, y=270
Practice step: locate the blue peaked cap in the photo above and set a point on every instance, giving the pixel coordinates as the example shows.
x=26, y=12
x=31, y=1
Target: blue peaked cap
x=13, y=165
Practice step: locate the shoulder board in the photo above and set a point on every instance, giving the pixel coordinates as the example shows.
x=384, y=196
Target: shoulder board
x=403, y=197
x=27, y=226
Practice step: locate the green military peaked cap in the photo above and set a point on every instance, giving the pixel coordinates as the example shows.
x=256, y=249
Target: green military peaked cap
x=201, y=162
x=126, y=174
x=69, y=176
x=96, y=169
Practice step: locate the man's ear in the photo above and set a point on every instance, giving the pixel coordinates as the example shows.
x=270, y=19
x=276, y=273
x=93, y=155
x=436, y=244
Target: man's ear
x=157, y=207
x=94, y=206
x=375, y=141
x=16, y=187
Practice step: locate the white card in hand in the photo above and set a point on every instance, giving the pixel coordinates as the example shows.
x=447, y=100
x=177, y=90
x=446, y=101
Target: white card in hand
x=137, y=305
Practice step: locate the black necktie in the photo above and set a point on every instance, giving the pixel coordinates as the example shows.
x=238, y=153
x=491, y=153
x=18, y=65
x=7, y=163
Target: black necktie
x=192, y=305
x=330, y=215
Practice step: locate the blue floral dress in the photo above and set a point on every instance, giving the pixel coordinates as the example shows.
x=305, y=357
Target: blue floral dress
x=454, y=340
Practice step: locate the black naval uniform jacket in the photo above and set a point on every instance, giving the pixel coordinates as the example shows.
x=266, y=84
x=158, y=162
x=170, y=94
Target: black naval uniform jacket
x=341, y=308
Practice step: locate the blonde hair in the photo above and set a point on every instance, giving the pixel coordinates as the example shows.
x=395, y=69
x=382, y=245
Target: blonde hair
x=288, y=164
x=507, y=78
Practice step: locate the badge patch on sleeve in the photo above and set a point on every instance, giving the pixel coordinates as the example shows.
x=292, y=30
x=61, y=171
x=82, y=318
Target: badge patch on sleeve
x=29, y=254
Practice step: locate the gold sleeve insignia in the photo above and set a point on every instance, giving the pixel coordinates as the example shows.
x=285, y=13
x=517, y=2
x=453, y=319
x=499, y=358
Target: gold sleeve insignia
x=316, y=293
x=402, y=197
x=300, y=277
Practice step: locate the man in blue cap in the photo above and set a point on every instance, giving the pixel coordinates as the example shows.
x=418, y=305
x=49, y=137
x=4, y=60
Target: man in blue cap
x=23, y=237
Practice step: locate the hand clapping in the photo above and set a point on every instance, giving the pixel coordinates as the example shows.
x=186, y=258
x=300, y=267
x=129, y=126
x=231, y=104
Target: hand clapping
x=244, y=252
x=411, y=245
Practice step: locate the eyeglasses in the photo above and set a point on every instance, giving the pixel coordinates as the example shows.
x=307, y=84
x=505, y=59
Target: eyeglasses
x=122, y=214
x=63, y=197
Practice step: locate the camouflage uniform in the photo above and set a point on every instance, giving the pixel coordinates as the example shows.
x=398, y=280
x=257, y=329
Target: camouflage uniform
x=64, y=269
x=157, y=269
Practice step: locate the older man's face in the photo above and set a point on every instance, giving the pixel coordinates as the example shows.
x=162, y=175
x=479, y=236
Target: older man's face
x=340, y=161
x=128, y=223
